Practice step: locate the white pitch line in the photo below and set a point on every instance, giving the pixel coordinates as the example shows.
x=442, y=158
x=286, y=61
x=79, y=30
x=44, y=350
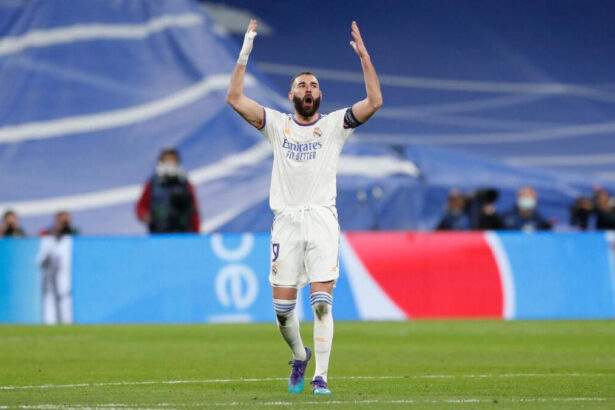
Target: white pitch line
x=323, y=402
x=270, y=379
x=412, y=401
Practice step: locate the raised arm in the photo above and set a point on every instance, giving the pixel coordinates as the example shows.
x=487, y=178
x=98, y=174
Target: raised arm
x=249, y=109
x=364, y=109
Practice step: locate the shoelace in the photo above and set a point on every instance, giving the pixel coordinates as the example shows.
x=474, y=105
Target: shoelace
x=297, y=370
x=319, y=384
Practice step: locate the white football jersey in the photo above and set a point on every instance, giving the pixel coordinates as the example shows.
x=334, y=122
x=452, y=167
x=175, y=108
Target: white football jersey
x=305, y=158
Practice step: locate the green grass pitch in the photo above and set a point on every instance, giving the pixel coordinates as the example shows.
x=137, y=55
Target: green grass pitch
x=416, y=364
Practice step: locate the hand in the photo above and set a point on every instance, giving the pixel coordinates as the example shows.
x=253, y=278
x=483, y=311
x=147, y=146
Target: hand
x=357, y=44
x=248, y=40
x=252, y=27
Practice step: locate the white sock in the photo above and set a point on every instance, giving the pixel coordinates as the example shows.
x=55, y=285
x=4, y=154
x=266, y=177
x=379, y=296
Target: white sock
x=322, y=302
x=288, y=323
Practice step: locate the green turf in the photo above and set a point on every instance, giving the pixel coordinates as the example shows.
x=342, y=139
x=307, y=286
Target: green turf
x=435, y=365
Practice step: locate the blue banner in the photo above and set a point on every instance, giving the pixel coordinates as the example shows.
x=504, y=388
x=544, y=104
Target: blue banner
x=224, y=278
x=20, y=281
x=560, y=276
x=172, y=279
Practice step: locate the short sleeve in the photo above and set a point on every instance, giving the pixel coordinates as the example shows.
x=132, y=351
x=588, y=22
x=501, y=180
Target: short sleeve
x=273, y=124
x=342, y=130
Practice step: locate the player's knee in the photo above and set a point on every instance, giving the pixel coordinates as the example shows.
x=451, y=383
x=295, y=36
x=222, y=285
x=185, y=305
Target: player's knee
x=320, y=310
x=283, y=309
x=321, y=304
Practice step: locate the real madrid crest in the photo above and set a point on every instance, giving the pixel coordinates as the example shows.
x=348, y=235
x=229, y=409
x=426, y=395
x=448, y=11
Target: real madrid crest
x=317, y=132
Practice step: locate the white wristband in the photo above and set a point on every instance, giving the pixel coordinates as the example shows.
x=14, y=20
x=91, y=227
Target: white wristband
x=246, y=49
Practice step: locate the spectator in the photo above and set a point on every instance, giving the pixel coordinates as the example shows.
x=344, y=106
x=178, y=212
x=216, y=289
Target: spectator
x=10, y=225
x=168, y=203
x=483, y=214
x=605, y=211
x=62, y=225
x=455, y=217
x=582, y=213
x=525, y=217
x=54, y=258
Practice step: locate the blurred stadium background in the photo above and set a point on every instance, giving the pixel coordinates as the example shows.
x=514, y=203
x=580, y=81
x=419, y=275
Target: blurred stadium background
x=478, y=94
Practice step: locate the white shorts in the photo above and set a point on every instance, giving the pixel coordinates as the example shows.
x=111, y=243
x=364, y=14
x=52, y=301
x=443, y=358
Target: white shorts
x=304, y=247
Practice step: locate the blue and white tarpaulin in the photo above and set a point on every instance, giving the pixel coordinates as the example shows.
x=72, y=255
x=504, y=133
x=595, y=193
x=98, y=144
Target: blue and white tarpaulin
x=91, y=91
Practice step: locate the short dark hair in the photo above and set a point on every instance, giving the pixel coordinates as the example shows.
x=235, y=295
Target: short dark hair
x=8, y=213
x=169, y=151
x=299, y=75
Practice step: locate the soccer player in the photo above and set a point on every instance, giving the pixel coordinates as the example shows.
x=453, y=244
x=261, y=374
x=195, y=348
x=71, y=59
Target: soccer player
x=305, y=232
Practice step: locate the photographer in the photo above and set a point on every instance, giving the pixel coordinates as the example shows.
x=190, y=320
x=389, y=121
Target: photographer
x=482, y=211
x=582, y=214
x=455, y=217
x=10, y=226
x=168, y=203
x=62, y=225
x=475, y=211
x=605, y=211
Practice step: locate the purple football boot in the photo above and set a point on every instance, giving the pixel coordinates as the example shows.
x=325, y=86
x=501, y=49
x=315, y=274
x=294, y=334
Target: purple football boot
x=297, y=374
x=320, y=386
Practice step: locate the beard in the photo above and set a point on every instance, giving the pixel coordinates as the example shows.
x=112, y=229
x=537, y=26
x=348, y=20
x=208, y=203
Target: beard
x=304, y=111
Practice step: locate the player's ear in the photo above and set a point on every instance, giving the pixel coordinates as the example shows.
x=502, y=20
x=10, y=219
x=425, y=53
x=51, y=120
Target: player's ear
x=290, y=96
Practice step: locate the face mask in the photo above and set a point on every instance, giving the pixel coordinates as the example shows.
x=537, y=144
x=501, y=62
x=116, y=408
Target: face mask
x=169, y=169
x=526, y=203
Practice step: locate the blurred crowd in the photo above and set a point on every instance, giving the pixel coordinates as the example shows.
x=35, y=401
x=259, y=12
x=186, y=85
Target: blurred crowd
x=477, y=211
x=168, y=204
x=62, y=225
x=596, y=212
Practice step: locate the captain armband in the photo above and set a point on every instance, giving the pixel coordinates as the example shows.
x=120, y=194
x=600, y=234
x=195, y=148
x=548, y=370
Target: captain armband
x=350, y=121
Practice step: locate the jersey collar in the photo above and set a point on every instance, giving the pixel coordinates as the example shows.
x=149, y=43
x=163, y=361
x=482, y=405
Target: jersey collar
x=308, y=124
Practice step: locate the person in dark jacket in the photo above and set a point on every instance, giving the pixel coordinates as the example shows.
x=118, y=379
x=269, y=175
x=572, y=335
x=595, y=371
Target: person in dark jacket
x=605, y=211
x=168, y=202
x=455, y=217
x=10, y=226
x=525, y=216
x=582, y=214
x=62, y=225
x=482, y=210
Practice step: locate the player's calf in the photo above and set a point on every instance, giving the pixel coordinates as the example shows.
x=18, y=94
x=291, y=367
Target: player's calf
x=322, y=303
x=288, y=323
